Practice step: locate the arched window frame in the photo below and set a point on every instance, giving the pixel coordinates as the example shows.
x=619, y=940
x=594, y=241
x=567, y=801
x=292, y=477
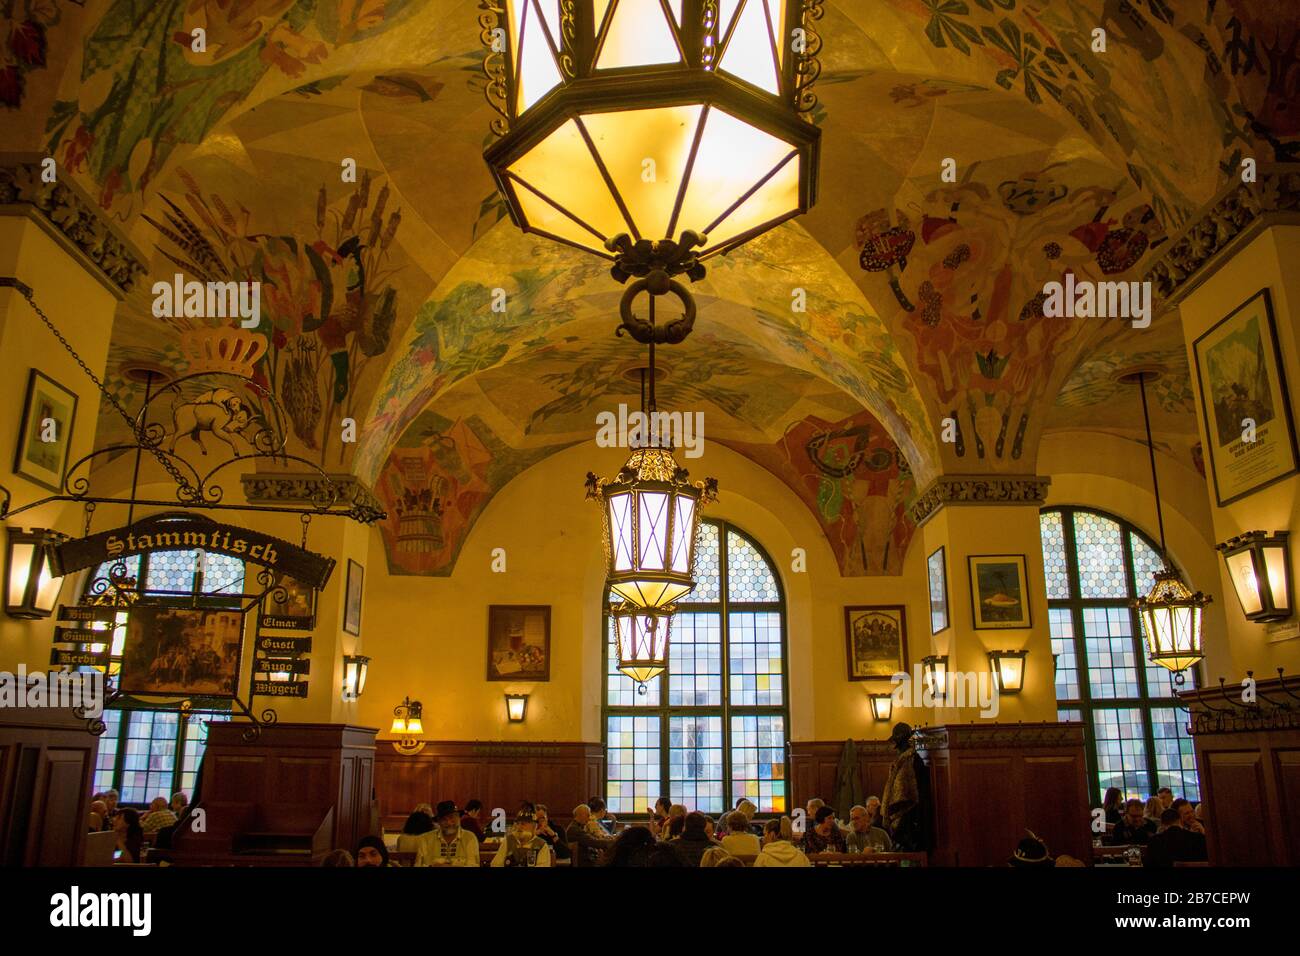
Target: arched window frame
x=1152, y=709
x=664, y=713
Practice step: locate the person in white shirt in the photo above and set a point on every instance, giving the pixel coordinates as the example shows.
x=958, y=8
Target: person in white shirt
x=739, y=841
x=777, y=848
x=522, y=846
x=447, y=844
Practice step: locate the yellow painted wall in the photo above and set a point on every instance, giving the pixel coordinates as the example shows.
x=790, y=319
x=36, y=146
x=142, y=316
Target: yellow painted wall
x=1268, y=261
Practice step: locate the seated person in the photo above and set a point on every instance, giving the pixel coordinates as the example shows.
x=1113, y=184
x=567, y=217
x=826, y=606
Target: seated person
x=471, y=819
x=1133, y=829
x=159, y=816
x=587, y=847
x=337, y=858
x=604, y=819
x=740, y=841
x=417, y=825
x=522, y=846
x=862, y=836
x=553, y=838
x=1175, y=843
x=371, y=851
x=98, y=816
x=778, y=848
x=824, y=836
x=179, y=803
x=874, y=817
x=694, y=840
x=448, y=844
x=130, y=835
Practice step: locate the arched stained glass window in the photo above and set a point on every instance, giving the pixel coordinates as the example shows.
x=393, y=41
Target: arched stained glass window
x=1095, y=565
x=154, y=753
x=712, y=728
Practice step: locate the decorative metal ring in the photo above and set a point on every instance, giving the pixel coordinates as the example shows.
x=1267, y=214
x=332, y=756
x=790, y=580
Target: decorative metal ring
x=646, y=331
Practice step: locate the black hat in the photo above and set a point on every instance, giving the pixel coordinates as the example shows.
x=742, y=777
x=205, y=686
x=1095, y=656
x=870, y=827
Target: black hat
x=901, y=731
x=445, y=808
x=1031, y=851
x=525, y=816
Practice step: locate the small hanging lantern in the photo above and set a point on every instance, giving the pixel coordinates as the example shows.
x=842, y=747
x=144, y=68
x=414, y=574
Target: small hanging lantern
x=1260, y=567
x=1008, y=670
x=642, y=639
x=31, y=587
x=1172, y=619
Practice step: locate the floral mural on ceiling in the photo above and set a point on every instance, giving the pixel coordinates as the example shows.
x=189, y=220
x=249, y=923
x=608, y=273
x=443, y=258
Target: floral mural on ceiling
x=852, y=477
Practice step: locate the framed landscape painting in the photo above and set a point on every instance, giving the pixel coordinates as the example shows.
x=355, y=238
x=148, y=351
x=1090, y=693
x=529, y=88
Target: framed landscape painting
x=519, y=642
x=1244, y=401
x=45, y=431
x=999, y=591
x=877, y=641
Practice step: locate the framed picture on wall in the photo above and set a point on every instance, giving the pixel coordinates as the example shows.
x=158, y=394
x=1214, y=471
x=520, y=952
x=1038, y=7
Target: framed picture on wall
x=181, y=651
x=352, y=598
x=999, y=591
x=877, y=641
x=519, y=642
x=45, y=431
x=937, y=573
x=1244, y=401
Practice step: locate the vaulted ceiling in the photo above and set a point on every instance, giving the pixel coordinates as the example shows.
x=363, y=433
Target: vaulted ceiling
x=379, y=292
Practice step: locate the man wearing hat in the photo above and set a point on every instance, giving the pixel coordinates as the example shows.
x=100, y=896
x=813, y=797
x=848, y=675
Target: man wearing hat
x=906, y=799
x=522, y=846
x=1031, y=852
x=447, y=844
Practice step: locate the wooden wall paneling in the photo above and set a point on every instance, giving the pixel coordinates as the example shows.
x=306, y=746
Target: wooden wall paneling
x=1236, y=778
x=1286, y=770
x=47, y=758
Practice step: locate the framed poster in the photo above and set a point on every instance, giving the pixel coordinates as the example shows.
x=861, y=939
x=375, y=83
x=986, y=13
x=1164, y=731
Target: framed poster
x=45, y=431
x=937, y=573
x=877, y=641
x=999, y=591
x=289, y=604
x=519, y=642
x=352, y=598
x=181, y=651
x=1244, y=401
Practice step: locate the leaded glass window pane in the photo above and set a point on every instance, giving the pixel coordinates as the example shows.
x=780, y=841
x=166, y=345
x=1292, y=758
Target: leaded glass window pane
x=695, y=661
x=1121, y=752
x=695, y=762
x=196, y=742
x=106, y=761
x=172, y=571
x=1100, y=551
x=1067, y=662
x=756, y=659
x=1112, y=660
x=758, y=761
x=1175, y=754
x=632, y=763
x=150, y=755
x=749, y=579
x=708, y=578
x=1146, y=562
x=1054, y=566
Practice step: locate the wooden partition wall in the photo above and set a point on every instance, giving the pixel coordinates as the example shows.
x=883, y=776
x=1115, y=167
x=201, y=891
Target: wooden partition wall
x=1248, y=762
x=47, y=758
x=500, y=774
x=989, y=783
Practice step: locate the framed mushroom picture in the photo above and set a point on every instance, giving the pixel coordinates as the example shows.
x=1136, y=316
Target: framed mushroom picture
x=999, y=591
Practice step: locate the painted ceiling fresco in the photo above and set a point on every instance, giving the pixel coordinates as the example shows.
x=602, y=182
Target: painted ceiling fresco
x=923, y=296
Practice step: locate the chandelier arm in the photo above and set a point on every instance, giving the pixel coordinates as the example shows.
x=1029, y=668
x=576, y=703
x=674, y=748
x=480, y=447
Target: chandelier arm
x=1281, y=679
x=1151, y=451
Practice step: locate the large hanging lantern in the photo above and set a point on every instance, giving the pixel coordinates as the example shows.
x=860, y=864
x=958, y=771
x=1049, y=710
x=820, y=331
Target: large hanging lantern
x=651, y=513
x=653, y=133
x=642, y=640
x=1172, y=619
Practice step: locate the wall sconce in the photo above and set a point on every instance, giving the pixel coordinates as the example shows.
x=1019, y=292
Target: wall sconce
x=1008, y=670
x=408, y=727
x=354, y=675
x=935, y=669
x=882, y=706
x=31, y=588
x=1260, y=567
x=516, y=707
